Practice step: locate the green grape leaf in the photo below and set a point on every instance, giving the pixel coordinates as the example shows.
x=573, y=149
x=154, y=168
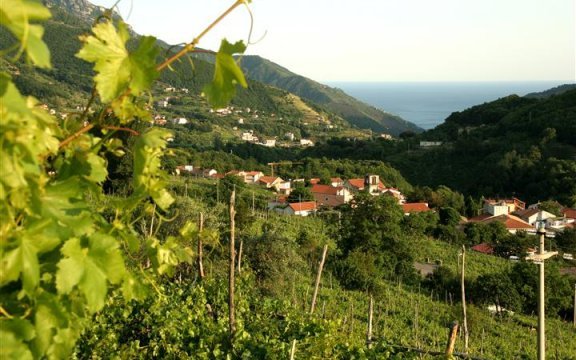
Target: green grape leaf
x=70, y=269
x=227, y=74
x=16, y=15
x=127, y=108
x=90, y=268
x=13, y=347
x=143, y=65
x=148, y=177
x=21, y=260
x=49, y=316
x=117, y=69
x=107, y=50
x=22, y=328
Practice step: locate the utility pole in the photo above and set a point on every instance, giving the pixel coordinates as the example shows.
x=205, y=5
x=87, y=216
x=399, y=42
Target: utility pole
x=539, y=259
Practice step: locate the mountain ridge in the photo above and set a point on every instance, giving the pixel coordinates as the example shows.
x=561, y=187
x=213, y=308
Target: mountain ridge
x=334, y=99
x=354, y=111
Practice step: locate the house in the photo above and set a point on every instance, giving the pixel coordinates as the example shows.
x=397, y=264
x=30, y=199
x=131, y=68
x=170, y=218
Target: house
x=331, y=196
x=512, y=223
x=184, y=169
x=306, y=142
x=410, y=208
x=270, y=182
x=301, y=208
x=370, y=183
x=269, y=142
x=284, y=187
x=240, y=173
x=180, y=121
x=395, y=193
x=249, y=136
x=569, y=213
x=205, y=173
x=336, y=182
x=428, y=144
x=483, y=248
x=533, y=216
x=252, y=177
x=502, y=207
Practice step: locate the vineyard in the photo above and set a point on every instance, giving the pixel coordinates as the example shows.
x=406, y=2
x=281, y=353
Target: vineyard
x=104, y=254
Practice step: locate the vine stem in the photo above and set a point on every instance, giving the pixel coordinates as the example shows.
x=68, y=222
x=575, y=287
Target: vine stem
x=89, y=127
x=5, y=313
x=191, y=45
x=71, y=138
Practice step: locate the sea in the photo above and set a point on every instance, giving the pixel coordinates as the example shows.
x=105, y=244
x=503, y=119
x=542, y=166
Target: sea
x=428, y=104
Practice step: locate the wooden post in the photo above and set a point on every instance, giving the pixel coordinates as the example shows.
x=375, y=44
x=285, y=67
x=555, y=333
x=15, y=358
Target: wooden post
x=318, y=277
x=369, y=331
x=451, y=339
x=463, y=290
x=231, y=317
x=240, y=256
x=200, y=247
x=293, y=350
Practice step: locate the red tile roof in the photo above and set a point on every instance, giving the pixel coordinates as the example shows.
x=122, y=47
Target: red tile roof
x=511, y=222
x=525, y=214
x=268, y=179
x=483, y=248
x=314, y=181
x=480, y=218
x=329, y=200
x=303, y=206
x=325, y=189
x=569, y=213
x=357, y=183
x=415, y=207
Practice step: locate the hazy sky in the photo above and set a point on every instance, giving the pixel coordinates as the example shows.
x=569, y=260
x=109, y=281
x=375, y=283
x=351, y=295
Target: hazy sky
x=383, y=40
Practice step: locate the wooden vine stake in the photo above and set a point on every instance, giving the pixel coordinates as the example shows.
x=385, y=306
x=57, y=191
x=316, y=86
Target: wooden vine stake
x=240, y=256
x=451, y=340
x=231, y=317
x=369, y=331
x=293, y=350
x=318, y=277
x=199, y=259
x=463, y=290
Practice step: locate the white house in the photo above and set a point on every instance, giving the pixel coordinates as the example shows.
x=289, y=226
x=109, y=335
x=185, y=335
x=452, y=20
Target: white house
x=300, y=209
x=180, y=121
x=306, y=142
x=534, y=216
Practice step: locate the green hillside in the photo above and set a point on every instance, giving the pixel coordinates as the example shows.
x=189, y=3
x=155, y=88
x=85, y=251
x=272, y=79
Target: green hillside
x=512, y=146
x=351, y=109
x=68, y=85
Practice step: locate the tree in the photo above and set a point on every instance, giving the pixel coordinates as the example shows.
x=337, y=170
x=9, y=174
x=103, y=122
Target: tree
x=566, y=240
x=300, y=194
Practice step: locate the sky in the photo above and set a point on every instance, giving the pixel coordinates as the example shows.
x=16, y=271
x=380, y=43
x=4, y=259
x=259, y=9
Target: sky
x=382, y=40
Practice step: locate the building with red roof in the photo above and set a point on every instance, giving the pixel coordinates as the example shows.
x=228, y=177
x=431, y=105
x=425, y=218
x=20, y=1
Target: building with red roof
x=410, y=208
x=304, y=208
x=330, y=196
x=483, y=248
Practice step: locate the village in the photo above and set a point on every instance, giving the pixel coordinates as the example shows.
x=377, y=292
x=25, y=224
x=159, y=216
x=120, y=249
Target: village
x=515, y=215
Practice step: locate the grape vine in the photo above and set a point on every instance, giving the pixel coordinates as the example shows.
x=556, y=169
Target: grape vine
x=60, y=256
